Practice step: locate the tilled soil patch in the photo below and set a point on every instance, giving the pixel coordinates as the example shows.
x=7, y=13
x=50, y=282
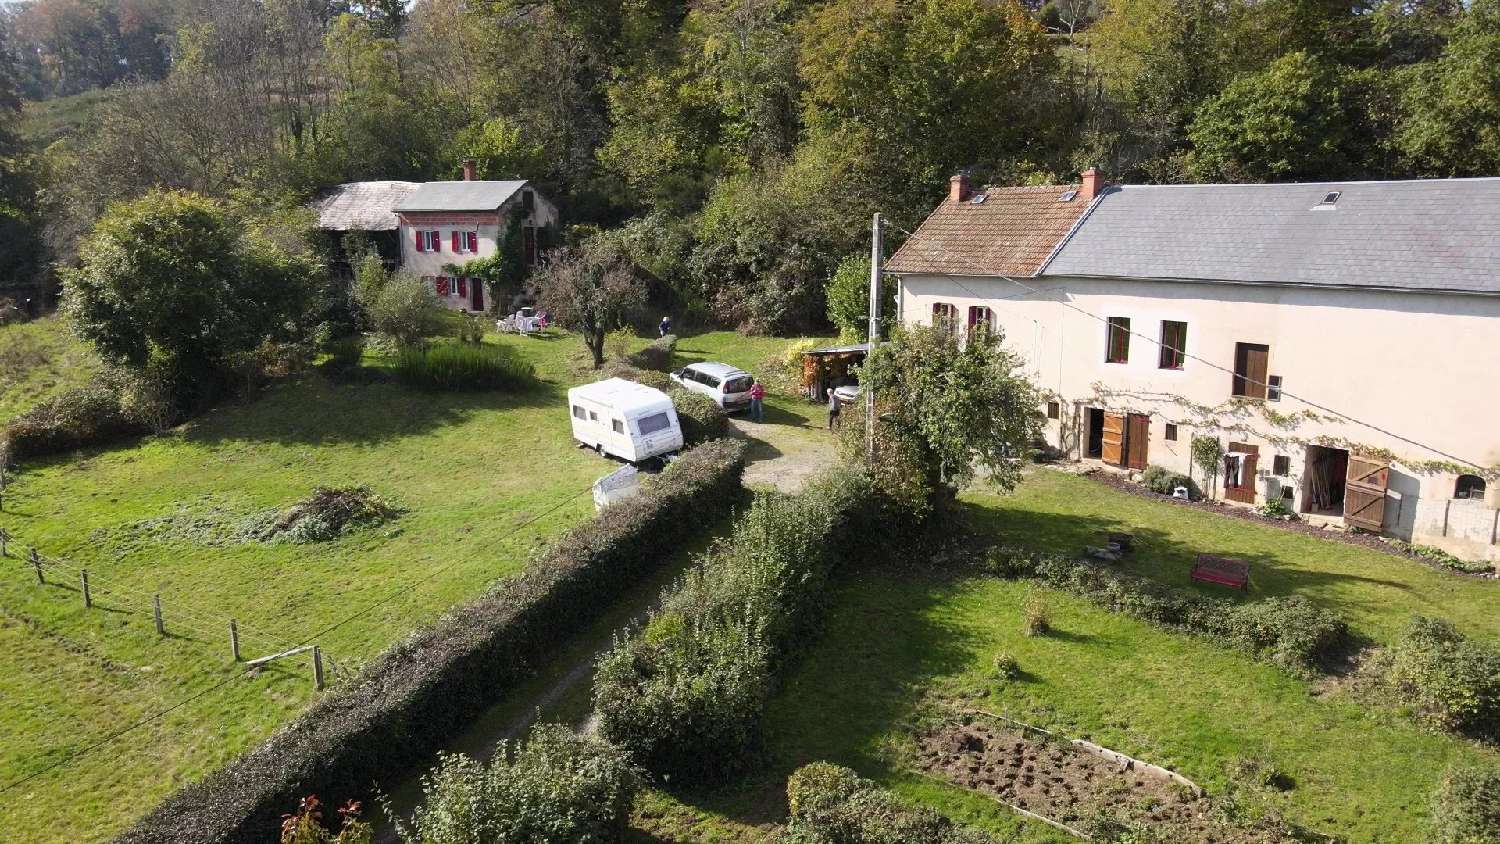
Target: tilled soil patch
x=1068, y=785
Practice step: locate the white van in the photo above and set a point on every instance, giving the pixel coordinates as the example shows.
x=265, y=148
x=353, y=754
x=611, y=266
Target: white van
x=728, y=386
x=628, y=420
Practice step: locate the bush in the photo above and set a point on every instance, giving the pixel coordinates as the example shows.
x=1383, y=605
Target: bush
x=1274, y=508
x=1289, y=631
x=833, y=805
x=78, y=418
x=1164, y=481
x=419, y=693
x=1451, y=681
x=701, y=417
x=344, y=353
x=1006, y=667
x=657, y=356
x=404, y=309
x=651, y=378
x=306, y=826
x=1465, y=809
x=558, y=786
x=464, y=366
x=686, y=695
x=1038, y=619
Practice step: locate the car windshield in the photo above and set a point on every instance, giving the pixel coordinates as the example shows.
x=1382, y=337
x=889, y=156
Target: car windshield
x=737, y=384
x=653, y=423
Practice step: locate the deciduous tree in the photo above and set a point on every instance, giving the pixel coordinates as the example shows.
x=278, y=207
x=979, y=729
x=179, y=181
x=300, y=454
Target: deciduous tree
x=590, y=289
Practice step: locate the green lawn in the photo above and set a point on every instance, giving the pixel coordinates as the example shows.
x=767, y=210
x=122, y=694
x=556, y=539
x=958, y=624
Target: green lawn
x=39, y=359
x=143, y=517
x=901, y=644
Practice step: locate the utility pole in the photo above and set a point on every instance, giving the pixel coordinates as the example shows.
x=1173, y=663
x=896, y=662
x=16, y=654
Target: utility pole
x=877, y=269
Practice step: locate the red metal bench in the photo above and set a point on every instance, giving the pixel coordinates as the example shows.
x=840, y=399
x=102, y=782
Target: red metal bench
x=1222, y=570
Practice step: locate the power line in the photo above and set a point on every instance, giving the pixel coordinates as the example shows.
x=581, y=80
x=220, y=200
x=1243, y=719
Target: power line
x=1309, y=402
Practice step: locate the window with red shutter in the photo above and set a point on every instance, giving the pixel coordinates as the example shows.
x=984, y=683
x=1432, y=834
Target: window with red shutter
x=420, y=248
x=463, y=285
x=437, y=240
x=456, y=247
x=442, y=285
x=473, y=238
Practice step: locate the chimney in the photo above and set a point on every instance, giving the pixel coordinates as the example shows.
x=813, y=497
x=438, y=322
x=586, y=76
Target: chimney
x=1093, y=183
x=468, y=169
x=958, y=188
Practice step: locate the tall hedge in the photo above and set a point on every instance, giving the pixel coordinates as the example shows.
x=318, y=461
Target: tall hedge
x=423, y=690
x=686, y=693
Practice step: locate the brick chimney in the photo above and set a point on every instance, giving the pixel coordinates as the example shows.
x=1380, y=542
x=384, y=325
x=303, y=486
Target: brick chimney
x=958, y=188
x=1093, y=183
x=469, y=169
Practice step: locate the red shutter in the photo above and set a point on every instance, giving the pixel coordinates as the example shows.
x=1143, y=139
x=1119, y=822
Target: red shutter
x=442, y=285
x=473, y=238
x=437, y=241
x=455, y=242
x=419, y=241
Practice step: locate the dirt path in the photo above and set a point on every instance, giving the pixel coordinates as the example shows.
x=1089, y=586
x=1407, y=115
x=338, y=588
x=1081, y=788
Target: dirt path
x=784, y=454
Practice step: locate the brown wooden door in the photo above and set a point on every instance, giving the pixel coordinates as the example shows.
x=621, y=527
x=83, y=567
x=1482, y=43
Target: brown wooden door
x=476, y=295
x=1114, y=439
x=1137, y=437
x=1251, y=364
x=1244, y=491
x=1364, y=492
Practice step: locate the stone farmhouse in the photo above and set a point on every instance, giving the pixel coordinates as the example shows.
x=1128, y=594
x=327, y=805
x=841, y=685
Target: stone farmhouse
x=1341, y=341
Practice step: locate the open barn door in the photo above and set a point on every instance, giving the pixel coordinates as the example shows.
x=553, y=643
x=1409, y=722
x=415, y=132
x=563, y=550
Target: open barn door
x=1364, y=492
x=1114, y=439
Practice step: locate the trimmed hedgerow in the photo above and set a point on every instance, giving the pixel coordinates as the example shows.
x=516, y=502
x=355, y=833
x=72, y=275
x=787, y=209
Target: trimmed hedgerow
x=1163, y=481
x=833, y=805
x=420, y=692
x=1464, y=808
x=651, y=378
x=656, y=356
x=1451, y=681
x=701, y=417
x=686, y=693
x=1289, y=631
x=557, y=786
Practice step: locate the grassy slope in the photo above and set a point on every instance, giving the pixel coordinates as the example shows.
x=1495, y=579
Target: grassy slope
x=38, y=360
x=469, y=469
x=1177, y=700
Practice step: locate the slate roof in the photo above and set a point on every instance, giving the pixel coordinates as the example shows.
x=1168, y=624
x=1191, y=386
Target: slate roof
x=1440, y=234
x=362, y=206
x=1012, y=233
x=460, y=196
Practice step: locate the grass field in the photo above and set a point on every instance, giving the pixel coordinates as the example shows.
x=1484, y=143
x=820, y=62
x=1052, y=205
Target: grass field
x=38, y=360
x=903, y=644
x=470, y=470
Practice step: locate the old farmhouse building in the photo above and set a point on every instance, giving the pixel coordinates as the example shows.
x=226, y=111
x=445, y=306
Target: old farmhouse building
x=1340, y=340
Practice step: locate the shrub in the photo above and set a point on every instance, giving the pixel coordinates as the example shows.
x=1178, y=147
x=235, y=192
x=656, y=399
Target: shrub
x=404, y=309
x=1274, y=508
x=78, y=418
x=557, y=786
x=1006, y=667
x=701, y=417
x=417, y=694
x=1442, y=558
x=306, y=826
x=344, y=353
x=687, y=694
x=833, y=805
x=617, y=343
x=1038, y=619
x=1465, y=809
x=464, y=366
x=469, y=328
x=1164, y=481
x=1450, y=680
x=651, y=378
x=657, y=356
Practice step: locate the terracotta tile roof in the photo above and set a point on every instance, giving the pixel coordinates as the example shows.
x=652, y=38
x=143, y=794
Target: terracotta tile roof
x=1012, y=232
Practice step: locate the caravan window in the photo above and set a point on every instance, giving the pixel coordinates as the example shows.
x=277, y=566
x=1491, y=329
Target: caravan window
x=593, y=417
x=578, y=412
x=617, y=425
x=653, y=423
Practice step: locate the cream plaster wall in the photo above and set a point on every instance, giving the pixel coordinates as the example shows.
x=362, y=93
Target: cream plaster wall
x=490, y=226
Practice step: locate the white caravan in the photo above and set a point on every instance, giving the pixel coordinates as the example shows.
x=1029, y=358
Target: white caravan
x=628, y=420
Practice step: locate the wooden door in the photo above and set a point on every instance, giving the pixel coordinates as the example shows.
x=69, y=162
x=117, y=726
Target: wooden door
x=1251, y=364
x=1114, y=439
x=1137, y=437
x=1244, y=491
x=476, y=295
x=1364, y=492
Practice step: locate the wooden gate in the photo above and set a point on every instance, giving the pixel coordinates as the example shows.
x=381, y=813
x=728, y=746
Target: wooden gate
x=1114, y=439
x=1244, y=491
x=1137, y=436
x=1364, y=492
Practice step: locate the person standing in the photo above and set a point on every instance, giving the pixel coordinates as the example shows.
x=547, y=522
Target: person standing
x=833, y=411
x=757, y=395
x=665, y=327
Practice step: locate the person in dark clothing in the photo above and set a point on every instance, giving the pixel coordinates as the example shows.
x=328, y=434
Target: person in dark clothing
x=834, y=409
x=666, y=326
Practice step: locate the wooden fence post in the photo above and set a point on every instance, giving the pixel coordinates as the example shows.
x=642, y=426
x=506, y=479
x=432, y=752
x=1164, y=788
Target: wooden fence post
x=36, y=563
x=4, y=538
x=88, y=600
x=234, y=640
x=161, y=629
x=318, y=667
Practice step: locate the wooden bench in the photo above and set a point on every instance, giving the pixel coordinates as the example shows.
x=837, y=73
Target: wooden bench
x=1222, y=570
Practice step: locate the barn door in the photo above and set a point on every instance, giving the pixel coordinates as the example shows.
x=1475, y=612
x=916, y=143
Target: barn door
x=1137, y=436
x=1364, y=492
x=1241, y=489
x=1114, y=439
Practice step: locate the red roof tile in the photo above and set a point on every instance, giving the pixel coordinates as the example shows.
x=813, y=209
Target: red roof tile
x=1012, y=232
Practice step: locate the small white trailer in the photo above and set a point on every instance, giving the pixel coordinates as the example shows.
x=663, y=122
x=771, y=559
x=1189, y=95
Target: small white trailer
x=628, y=420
